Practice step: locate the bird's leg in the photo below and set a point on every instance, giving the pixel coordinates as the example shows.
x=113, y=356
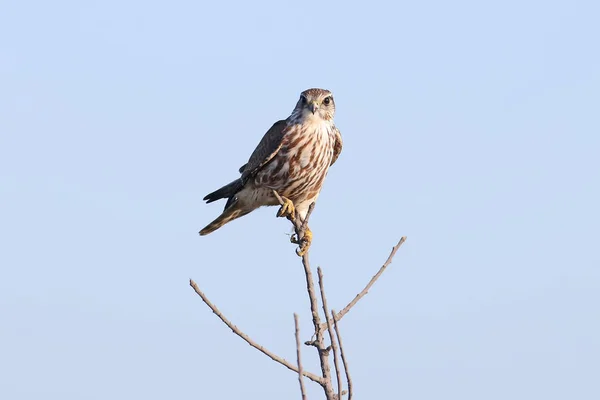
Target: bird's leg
x=287, y=209
x=304, y=243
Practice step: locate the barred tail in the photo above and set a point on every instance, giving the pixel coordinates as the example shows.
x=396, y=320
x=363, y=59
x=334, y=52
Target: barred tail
x=228, y=215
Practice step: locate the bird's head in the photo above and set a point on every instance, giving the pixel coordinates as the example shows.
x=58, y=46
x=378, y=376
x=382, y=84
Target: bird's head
x=315, y=103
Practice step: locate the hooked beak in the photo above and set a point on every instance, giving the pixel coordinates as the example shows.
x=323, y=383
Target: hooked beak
x=313, y=107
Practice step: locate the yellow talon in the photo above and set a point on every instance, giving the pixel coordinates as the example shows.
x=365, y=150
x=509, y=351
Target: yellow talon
x=287, y=209
x=304, y=243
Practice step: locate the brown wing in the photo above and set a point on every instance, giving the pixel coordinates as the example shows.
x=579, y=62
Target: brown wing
x=337, y=146
x=267, y=148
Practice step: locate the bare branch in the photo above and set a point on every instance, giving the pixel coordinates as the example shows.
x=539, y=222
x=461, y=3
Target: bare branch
x=338, y=372
x=319, y=342
x=300, y=227
x=371, y=282
x=252, y=343
x=302, y=389
x=339, y=339
x=308, y=213
x=331, y=323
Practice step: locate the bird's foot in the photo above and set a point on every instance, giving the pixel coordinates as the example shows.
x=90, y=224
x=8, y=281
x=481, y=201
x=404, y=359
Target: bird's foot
x=304, y=243
x=287, y=209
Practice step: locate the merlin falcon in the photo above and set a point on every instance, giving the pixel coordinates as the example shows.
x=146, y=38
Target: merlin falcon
x=292, y=158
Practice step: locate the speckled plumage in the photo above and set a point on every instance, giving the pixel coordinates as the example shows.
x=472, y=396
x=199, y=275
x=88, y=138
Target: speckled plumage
x=292, y=158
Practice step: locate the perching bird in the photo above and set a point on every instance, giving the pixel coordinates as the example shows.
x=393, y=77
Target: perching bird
x=292, y=158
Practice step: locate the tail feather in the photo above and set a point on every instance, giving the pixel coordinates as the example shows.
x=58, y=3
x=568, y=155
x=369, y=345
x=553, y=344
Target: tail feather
x=228, y=215
x=226, y=191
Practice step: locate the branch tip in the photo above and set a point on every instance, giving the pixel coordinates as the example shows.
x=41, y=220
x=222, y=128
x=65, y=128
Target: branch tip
x=299, y=358
x=345, y=310
x=343, y=356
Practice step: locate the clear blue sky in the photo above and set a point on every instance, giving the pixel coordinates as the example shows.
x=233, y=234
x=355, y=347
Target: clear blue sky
x=471, y=127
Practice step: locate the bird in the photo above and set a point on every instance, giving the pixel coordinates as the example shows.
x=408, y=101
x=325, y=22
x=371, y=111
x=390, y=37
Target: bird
x=292, y=159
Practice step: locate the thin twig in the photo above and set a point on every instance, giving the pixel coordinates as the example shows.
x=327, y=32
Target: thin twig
x=319, y=342
x=252, y=343
x=339, y=315
x=308, y=213
x=339, y=339
x=300, y=227
x=302, y=389
x=338, y=372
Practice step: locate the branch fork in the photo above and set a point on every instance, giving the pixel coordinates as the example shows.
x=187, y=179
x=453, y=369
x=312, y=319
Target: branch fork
x=330, y=325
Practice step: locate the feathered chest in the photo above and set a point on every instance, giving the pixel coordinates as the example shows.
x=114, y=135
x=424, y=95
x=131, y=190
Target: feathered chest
x=302, y=161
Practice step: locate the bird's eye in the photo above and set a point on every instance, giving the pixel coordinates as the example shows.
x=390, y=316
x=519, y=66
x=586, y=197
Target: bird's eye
x=327, y=101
